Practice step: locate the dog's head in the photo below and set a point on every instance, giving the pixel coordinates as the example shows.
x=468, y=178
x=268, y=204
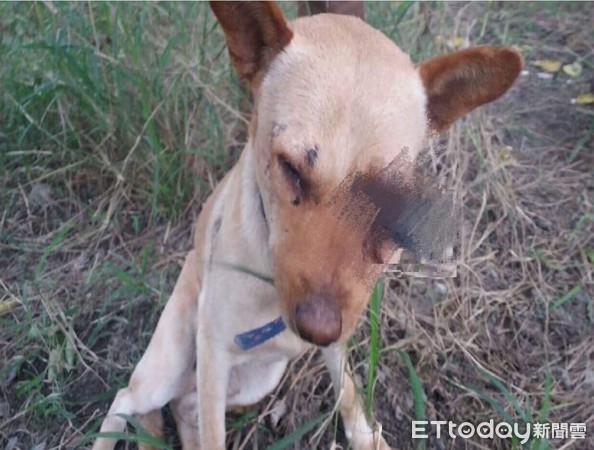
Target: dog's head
x=340, y=116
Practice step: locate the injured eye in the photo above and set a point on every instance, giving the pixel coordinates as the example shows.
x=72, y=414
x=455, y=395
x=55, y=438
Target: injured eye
x=294, y=178
x=291, y=173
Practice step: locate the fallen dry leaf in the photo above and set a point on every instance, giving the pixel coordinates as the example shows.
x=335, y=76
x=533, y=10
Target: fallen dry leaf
x=506, y=155
x=573, y=70
x=583, y=99
x=8, y=306
x=548, y=65
x=453, y=43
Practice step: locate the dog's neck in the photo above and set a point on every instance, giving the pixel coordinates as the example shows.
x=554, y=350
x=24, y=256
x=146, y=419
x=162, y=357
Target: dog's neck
x=254, y=222
x=255, y=229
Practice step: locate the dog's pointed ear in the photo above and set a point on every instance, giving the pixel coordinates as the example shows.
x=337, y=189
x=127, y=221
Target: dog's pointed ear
x=255, y=33
x=458, y=82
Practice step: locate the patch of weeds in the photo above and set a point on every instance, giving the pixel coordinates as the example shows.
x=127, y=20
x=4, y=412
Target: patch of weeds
x=46, y=361
x=521, y=409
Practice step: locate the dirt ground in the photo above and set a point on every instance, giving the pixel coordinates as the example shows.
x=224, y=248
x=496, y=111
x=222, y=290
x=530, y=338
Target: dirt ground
x=510, y=338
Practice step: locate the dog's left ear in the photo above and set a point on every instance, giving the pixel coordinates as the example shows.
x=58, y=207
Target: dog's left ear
x=458, y=82
x=255, y=33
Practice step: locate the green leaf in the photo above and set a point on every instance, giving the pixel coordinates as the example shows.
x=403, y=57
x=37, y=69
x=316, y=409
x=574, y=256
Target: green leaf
x=565, y=298
x=296, y=435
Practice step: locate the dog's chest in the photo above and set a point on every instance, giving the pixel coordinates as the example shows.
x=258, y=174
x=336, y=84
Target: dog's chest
x=256, y=372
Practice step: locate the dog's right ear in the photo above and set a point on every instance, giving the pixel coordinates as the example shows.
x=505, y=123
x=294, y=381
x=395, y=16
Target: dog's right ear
x=255, y=33
x=461, y=81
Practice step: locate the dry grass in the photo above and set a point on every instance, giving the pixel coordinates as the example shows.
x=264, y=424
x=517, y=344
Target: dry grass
x=99, y=199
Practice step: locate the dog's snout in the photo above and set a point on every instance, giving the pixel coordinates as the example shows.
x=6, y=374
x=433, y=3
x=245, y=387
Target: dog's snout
x=318, y=321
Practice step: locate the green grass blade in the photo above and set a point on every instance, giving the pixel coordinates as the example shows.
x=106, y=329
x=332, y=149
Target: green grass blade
x=241, y=422
x=374, y=343
x=401, y=11
x=565, y=298
x=417, y=391
x=296, y=435
x=141, y=435
x=491, y=401
x=540, y=443
x=507, y=394
x=55, y=242
x=129, y=437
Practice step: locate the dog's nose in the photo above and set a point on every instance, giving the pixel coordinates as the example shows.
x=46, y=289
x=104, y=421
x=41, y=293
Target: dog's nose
x=318, y=321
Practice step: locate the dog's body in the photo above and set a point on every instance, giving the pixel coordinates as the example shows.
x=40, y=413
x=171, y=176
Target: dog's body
x=334, y=97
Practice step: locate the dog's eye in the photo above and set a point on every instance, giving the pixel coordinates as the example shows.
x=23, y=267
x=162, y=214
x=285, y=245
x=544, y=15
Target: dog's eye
x=291, y=173
x=294, y=178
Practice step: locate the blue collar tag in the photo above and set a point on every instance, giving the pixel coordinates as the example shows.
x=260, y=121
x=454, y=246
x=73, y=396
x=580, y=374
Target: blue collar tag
x=257, y=336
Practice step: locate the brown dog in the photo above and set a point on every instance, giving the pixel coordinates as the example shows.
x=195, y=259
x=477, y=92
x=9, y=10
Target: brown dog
x=336, y=101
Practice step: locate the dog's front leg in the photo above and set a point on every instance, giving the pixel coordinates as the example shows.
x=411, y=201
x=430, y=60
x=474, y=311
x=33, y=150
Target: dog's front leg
x=357, y=430
x=160, y=374
x=212, y=377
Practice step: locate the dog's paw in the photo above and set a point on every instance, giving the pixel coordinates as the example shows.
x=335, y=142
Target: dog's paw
x=369, y=441
x=379, y=442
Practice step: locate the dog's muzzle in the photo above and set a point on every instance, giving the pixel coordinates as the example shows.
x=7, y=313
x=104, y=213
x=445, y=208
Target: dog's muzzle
x=318, y=321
